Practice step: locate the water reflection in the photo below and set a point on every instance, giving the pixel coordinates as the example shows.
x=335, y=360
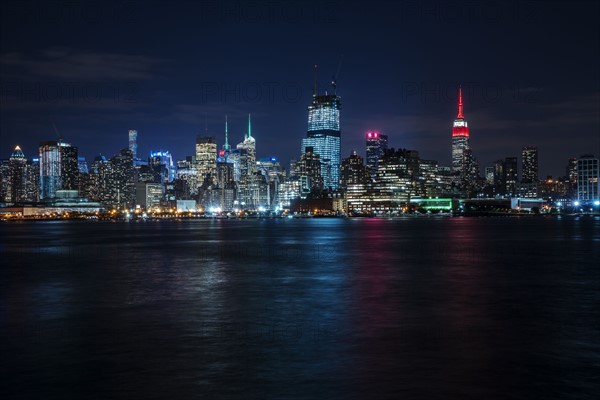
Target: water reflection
x=436, y=308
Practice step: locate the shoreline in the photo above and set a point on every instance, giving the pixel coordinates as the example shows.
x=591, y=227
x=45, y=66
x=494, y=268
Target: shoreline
x=94, y=218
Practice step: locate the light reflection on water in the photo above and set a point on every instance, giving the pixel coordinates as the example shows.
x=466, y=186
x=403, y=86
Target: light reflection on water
x=435, y=308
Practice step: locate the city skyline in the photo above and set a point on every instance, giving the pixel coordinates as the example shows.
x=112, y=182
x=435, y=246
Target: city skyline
x=520, y=94
x=132, y=143
x=224, y=135
x=299, y=199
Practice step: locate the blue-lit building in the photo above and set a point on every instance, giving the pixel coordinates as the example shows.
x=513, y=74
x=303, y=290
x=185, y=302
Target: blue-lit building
x=324, y=136
x=133, y=143
x=164, y=161
x=58, y=168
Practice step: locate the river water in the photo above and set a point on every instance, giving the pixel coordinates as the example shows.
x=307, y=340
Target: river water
x=427, y=308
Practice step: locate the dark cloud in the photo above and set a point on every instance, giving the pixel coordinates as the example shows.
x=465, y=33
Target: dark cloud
x=64, y=64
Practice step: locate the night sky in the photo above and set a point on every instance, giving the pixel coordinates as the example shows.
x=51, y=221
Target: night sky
x=529, y=70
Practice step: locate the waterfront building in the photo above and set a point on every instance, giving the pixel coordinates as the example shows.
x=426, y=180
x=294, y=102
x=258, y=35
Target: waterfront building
x=149, y=195
x=59, y=169
x=17, y=176
x=588, y=188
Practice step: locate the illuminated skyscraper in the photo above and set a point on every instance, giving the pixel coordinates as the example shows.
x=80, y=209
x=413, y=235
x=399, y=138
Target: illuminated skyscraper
x=588, y=181
x=82, y=165
x=460, y=137
x=226, y=149
x=509, y=176
x=69, y=167
x=392, y=184
x=354, y=171
x=324, y=136
x=529, y=166
x=49, y=169
x=571, y=171
x=162, y=163
x=133, y=143
x=58, y=168
x=32, y=180
x=117, y=178
x=571, y=176
x=489, y=175
x=247, y=153
x=17, y=168
x=309, y=171
x=244, y=160
x=376, y=145
x=206, y=157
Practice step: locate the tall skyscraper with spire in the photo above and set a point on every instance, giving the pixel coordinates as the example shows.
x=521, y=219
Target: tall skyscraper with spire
x=324, y=134
x=248, y=153
x=460, y=137
x=226, y=148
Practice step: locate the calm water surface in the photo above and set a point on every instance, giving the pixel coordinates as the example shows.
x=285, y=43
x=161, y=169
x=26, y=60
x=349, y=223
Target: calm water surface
x=449, y=308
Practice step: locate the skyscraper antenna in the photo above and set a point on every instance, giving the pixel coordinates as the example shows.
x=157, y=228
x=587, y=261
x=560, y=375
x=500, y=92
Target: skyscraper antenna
x=460, y=103
x=315, y=87
x=249, y=128
x=226, y=145
x=57, y=133
x=206, y=123
x=337, y=73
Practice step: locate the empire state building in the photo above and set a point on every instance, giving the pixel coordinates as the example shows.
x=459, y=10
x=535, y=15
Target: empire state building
x=460, y=138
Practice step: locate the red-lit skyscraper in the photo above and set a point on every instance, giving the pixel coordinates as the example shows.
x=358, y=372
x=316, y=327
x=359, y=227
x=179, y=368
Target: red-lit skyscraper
x=460, y=137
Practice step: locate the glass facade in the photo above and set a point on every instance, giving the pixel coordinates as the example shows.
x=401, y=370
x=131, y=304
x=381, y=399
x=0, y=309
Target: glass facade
x=50, y=179
x=587, y=178
x=324, y=136
x=324, y=113
x=328, y=147
x=133, y=143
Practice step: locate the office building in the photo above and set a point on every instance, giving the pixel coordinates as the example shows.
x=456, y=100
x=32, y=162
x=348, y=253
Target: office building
x=354, y=171
x=133, y=147
x=149, y=195
x=587, y=179
x=529, y=164
x=206, y=158
x=324, y=136
x=376, y=145
x=59, y=169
